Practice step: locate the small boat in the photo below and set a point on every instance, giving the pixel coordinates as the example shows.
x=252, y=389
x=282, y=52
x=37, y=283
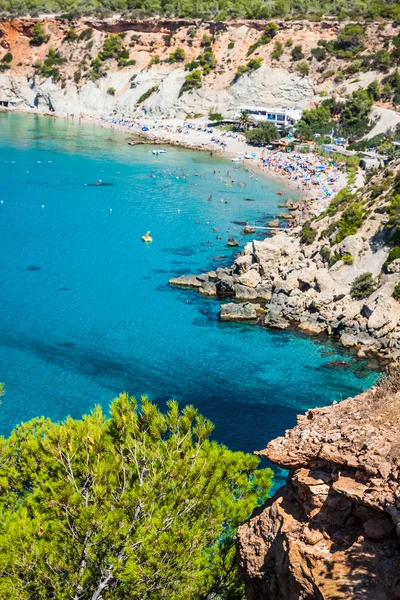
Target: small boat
x=157, y=152
x=147, y=237
x=239, y=159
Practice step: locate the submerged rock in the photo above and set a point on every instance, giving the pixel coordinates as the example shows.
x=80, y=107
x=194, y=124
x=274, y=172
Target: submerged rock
x=233, y=242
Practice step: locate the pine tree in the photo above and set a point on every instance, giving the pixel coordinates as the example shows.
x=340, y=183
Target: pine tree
x=138, y=505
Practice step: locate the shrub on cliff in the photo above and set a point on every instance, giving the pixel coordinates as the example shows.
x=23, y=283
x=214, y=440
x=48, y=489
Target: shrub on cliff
x=138, y=505
x=297, y=53
x=363, y=286
x=277, y=51
x=177, y=56
x=349, y=42
x=268, y=34
x=38, y=35
x=396, y=292
x=308, y=233
x=147, y=94
x=252, y=65
x=303, y=68
x=192, y=82
x=350, y=221
x=394, y=254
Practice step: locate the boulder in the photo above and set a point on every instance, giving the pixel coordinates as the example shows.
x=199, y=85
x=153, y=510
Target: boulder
x=242, y=264
x=251, y=278
x=383, y=314
x=311, y=325
x=263, y=292
x=274, y=223
x=233, y=242
x=190, y=281
x=274, y=318
x=306, y=276
x=208, y=289
x=238, y=312
x=352, y=244
x=348, y=339
x=224, y=287
x=242, y=292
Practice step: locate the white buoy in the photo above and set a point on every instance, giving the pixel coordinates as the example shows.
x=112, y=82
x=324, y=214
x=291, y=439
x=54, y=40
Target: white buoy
x=179, y=210
x=1, y=201
x=110, y=209
x=42, y=205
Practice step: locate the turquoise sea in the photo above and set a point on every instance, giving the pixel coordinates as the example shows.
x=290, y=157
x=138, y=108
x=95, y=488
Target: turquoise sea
x=86, y=310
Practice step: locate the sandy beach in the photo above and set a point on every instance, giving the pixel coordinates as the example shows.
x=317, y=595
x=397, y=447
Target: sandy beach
x=314, y=179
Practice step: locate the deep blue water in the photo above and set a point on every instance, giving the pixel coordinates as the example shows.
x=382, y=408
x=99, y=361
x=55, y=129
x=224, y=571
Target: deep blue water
x=86, y=310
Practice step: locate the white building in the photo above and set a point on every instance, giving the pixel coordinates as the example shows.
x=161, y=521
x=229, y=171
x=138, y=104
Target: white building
x=281, y=117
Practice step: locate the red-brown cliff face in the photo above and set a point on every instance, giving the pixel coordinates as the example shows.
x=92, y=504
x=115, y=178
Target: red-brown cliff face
x=332, y=532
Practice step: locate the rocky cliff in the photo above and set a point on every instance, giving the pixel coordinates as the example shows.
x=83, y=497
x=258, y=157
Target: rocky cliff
x=149, y=43
x=338, y=275
x=332, y=532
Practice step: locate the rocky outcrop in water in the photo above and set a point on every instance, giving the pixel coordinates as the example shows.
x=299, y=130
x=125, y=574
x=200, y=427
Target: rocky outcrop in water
x=305, y=278
x=332, y=532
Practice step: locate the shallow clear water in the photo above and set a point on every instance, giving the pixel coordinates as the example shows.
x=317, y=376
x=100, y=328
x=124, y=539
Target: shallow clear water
x=86, y=310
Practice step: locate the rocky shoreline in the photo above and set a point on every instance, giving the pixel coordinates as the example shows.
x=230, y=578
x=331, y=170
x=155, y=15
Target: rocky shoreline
x=285, y=281
x=333, y=530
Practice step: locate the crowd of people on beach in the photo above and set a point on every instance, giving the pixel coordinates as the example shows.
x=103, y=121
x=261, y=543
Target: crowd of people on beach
x=308, y=172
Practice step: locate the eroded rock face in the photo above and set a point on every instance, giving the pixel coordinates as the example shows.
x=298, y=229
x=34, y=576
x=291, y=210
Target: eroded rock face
x=332, y=532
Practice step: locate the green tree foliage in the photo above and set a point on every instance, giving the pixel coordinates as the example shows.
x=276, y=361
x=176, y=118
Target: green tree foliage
x=111, y=91
x=263, y=134
x=71, y=36
x=50, y=66
x=394, y=254
x=5, y=62
x=319, y=53
x=138, y=505
x=212, y=9
x=350, y=220
x=349, y=42
x=267, y=35
x=396, y=292
x=382, y=61
x=297, y=53
x=363, y=286
x=147, y=94
x=354, y=117
x=97, y=70
x=252, y=65
x=277, y=51
x=112, y=47
x=38, y=35
x=177, y=56
x=303, y=68
x=391, y=87
x=192, y=81
x=308, y=233
x=215, y=116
